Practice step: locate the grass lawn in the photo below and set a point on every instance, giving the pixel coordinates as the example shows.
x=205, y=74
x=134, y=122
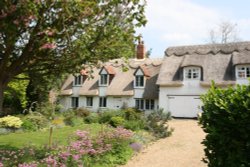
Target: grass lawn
x=40, y=138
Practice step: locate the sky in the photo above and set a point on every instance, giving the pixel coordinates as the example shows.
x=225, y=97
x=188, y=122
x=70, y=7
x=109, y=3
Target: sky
x=188, y=22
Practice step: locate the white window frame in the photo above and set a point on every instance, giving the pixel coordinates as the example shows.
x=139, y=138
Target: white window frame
x=139, y=81
x=78, y=80
x=244, y=70
x=189, y=73
x=103, y=102
x=144, y=104
x=74, y=102
x=89, y=101
x=104, y=80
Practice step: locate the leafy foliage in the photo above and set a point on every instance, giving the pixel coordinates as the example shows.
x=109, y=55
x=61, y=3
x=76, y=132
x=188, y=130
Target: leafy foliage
x=46, y=39
x=117, y=121
x=15, y=94
x=10, y=122
x=157, y=123
x=225, y=119
x=38, y=120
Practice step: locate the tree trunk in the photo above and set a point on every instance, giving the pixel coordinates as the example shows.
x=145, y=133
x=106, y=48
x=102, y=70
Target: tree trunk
x=1, y=99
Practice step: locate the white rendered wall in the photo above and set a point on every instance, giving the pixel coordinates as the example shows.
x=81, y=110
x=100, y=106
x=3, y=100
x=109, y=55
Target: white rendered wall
x=188, y=88
x=242, y=81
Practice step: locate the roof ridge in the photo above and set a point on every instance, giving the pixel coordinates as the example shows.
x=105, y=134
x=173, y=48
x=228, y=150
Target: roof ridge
x=207, y=48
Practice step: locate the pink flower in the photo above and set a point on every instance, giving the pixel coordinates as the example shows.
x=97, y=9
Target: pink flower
x=76, y=157
x=48, y=46
x=81, y=134
x=1, y=164
x=50, y=161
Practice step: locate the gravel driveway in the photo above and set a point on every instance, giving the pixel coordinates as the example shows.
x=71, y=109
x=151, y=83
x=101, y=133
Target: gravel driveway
x=182, y=149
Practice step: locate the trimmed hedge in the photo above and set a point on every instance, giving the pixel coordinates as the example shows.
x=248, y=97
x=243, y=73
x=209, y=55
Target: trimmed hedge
x=226, y=120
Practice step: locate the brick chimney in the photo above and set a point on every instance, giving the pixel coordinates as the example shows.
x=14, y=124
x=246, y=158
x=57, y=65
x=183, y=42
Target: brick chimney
x=141, y=50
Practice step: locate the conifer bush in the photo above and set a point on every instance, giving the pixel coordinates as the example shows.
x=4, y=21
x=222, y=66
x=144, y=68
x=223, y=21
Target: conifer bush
x=226, y=120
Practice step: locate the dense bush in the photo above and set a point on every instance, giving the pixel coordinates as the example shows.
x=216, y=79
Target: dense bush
x=225, y=119
x=73, y=120
x=135, y=124
x=106, y=116
x=117, y=121
x=132, y=114
x=10, y=122
x=92, y=118
x=157, y=123
x=38, y=120
x=82, y=112
x=28, y=125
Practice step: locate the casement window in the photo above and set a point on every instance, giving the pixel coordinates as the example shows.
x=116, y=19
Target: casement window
x=103, y=80
x=149, y=104
x=78, y=80
x=243, y=71
x=102, y=102
x=192, y=73
x=139, y=104
x=139, y=81
x=74, y=102
x=145, y=104
x=89, y=101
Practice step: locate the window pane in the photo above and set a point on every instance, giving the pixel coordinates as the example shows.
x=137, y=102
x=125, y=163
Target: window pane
x=141, y=104
x=147, y=106
x=152, y=106
x=139, y=81
x=104, y=79
x=89, y=101
x=74, y=102
x=137, y=103
x=241, y=74
x=102, y=102
x=78, y=80
x=248, y=72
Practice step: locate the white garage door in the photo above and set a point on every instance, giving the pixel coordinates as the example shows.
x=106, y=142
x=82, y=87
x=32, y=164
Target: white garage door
x=184, y=106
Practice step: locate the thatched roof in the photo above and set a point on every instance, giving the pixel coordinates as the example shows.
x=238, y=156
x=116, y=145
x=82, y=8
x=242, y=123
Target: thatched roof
x=217, y=62
x=122, y=83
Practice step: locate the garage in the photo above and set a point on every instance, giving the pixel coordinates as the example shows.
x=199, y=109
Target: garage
x=184, y=105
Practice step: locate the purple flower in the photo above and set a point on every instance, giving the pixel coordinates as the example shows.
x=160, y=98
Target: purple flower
x=136, y=146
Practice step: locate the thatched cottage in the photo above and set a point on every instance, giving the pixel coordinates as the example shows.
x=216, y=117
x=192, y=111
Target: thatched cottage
x=173, y=83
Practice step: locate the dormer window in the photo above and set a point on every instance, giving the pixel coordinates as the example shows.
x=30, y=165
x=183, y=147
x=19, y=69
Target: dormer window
x=192, y=73
x=242, y=71
x=107, y=73
x=139, y=81
x=140, y=75
x=103, y=80
x=78, y=80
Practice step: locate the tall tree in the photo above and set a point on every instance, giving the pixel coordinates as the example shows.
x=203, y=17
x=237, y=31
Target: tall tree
x=225, y=32
x=49, y=37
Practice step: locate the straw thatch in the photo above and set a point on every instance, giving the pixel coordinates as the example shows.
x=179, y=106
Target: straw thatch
x=122, y=82
x=217, y=62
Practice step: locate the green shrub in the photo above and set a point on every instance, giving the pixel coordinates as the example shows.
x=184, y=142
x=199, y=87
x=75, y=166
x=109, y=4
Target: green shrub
x=92, y=118
x=225, y=119
x=117, y=121
x=38, y=120
x=73, y=120
x=132, y=114
x=28, y=125
x=157, y=123
x=82, y=112
x=135, y=124
x=106, y=116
